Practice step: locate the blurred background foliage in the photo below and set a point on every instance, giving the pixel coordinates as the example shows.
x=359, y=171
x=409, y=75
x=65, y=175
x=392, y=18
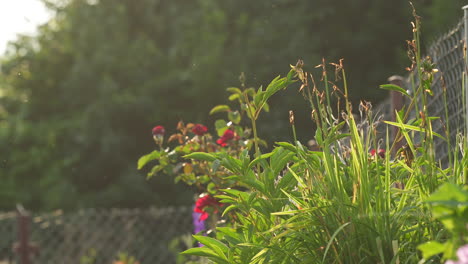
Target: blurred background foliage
x=78, y=101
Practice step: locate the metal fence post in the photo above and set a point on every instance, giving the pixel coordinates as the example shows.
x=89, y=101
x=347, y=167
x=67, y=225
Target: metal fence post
x=465, y=73
x=23, y=247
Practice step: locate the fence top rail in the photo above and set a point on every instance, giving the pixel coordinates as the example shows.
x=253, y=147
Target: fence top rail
x=4, y=215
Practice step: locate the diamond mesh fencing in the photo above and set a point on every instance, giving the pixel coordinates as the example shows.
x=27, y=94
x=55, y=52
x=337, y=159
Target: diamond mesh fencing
x=94, y=236
x=448, y=55
x=448, y=100
x=7, y=236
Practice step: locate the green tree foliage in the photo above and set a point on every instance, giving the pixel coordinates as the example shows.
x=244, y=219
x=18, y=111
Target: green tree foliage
x=77, y=102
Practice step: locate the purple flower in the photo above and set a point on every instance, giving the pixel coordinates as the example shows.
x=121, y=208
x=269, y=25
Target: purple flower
x=198, y=224
x=462, y=254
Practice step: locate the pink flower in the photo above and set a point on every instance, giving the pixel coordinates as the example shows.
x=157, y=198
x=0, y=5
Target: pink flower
x=462, y=254
x=158, y=131
x=204, y=202
x=199, y=130
x=380, y=152
x=228, y=135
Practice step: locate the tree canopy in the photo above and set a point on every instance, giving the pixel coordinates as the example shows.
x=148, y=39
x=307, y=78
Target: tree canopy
x=78, y=101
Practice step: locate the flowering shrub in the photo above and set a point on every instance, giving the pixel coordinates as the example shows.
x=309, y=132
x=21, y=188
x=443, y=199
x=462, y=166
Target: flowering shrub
x=337, y=203
x=190, y=160
x=205, y=176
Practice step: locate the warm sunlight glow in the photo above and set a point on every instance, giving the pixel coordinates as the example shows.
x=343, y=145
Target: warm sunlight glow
x=20, y=16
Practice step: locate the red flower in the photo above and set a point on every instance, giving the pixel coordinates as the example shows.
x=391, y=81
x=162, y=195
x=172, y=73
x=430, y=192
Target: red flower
x=380, y=152
x=203, y=202
x=228, y=135
x=199, y=130
x=158, y=131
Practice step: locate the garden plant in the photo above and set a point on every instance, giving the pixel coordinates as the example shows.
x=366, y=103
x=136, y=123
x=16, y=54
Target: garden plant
x=355, y=197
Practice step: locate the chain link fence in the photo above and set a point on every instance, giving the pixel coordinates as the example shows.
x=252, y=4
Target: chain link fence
x=94, y=236
x=448, y=101
x=7, y=237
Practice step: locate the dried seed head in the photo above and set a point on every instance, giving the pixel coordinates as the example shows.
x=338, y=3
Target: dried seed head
x=180, y=125
x=344, y=115
x=291, y=117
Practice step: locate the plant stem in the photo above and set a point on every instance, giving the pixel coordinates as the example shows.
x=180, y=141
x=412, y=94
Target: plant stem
x=254, y=128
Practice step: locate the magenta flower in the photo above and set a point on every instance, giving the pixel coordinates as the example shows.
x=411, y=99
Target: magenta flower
x=158, y=131
x=228, y=135
x=158, y=135
x=380, y=152
x=199, y=130
x=204, y=202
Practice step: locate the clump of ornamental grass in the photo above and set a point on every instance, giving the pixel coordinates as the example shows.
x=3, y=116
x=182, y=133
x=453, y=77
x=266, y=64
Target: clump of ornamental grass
x=355, y=198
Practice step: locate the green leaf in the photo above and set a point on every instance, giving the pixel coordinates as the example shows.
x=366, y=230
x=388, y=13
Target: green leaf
x=211, y=188
x=276, y=85
x=225, y=199
x=258, y=98
x=318, y=136
x=295, y=201
x=230, y=234
x=221, y=126
x=260, y=158
x=395, y=88
x=266, y=107
x=235, y=194
x=299, y=180
x=431, y=248
x=333, y=238
x=155, y=170
x=147, y=158
x=201, y=156
x=257, y=257
x=220, y=108
x=200, y=251
x=234, y=90
x=280, y=158
x=215, y=165
x=287, y=146
x=448, y=192
x=414, y=128
x=233, y=97
x=235, y=117
x=290, y=212
x=286, y=180
x=250, y=91
x=211, y=243
x=229, y=208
